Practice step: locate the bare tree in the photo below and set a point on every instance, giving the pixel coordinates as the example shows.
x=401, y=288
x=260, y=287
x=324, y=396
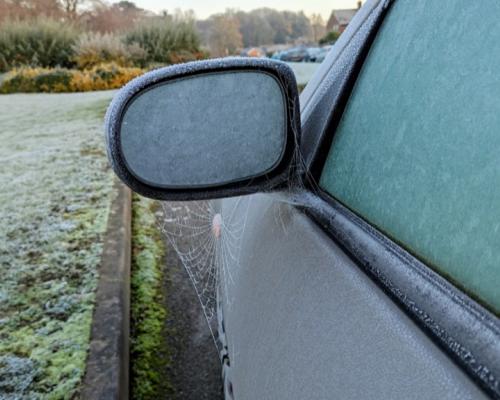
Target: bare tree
x=318, y=27
x=224, y=35
x=106, y=18
x=26, y=9
x=71, y=8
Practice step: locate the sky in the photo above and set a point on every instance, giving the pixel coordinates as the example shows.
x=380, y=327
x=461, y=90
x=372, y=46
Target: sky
x=204, y=8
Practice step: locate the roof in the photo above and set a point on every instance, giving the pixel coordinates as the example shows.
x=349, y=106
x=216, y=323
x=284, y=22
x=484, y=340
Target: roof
x=341, y=17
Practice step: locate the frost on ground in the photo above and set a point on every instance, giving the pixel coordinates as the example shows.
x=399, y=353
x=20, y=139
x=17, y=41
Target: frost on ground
x=303, y=71
x=56, y=191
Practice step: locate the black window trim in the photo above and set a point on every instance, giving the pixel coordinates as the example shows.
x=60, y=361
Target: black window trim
x=464, y=329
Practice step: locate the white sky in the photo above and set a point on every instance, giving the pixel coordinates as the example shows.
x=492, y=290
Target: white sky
x=204, y=8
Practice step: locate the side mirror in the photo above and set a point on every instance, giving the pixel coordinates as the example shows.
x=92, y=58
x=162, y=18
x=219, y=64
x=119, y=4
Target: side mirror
x=205, y=129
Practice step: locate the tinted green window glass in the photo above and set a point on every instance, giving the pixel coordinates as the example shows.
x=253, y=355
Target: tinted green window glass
x=417, y=152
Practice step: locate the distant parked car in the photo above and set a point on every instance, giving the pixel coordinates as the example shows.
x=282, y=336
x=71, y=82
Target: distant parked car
x=319, y=55
x=253, y=52
x=297, y=54
x=277, y=55
x=312, y=52
x=369, y=265
x=302, y=54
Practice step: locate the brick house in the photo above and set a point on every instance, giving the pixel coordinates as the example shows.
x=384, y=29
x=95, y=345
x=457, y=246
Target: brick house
x=339, y=19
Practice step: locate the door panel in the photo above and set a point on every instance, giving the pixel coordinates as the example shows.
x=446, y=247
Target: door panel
x=302, y=321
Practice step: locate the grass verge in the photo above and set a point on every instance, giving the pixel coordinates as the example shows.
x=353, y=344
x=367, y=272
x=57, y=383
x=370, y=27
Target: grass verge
x=55, y=198
x=148, y=350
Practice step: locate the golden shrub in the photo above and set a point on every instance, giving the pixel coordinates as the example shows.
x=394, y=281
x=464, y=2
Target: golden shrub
x=101, y=77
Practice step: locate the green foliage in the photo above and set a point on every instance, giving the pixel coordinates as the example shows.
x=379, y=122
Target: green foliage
x=329, y=38
x=166, y=40
x=149, y=355
x=40, y=42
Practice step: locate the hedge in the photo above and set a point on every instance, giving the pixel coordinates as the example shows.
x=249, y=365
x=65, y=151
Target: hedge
x=41, y=42
x=47, y=43
x=58, y=80
x=166, y=40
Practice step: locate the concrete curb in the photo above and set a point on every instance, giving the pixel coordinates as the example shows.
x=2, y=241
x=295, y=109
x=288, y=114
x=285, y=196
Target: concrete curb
x=107, y=374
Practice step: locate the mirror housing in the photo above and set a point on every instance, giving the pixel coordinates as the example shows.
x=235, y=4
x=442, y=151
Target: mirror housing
x=206, y=129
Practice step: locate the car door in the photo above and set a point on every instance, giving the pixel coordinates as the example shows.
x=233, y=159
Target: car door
x=377, y=275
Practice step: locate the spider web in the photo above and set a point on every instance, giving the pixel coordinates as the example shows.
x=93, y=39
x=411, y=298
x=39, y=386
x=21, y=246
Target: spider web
x=208, y=238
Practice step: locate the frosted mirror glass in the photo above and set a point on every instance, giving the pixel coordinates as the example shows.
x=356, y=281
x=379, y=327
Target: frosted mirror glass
x=205, y=130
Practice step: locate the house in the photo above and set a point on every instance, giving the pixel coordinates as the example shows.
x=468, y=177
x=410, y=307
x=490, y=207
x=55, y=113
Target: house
x=339, y=19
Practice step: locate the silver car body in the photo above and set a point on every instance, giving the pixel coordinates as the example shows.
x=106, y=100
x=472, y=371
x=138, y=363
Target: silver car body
x=303, y=319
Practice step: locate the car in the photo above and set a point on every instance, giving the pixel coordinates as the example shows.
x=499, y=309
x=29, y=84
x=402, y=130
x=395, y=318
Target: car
x=296, y=54
x=321, y=54
x=317, y=54
x=253, y=52
x=277, y=55
x=368, y=266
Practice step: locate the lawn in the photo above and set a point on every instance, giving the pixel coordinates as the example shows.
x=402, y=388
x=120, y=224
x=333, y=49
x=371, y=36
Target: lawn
x=56, y=191
x=303, y=71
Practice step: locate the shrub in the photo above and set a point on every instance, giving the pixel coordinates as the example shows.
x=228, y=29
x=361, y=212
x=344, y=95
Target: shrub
x=36, y=80
x=329, y=38
x=93, y=49
x=37, y=43
x=166, y=40
x=137, y=55
x=101, y=77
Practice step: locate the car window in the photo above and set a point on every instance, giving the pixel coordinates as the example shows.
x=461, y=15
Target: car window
x=417, y=151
